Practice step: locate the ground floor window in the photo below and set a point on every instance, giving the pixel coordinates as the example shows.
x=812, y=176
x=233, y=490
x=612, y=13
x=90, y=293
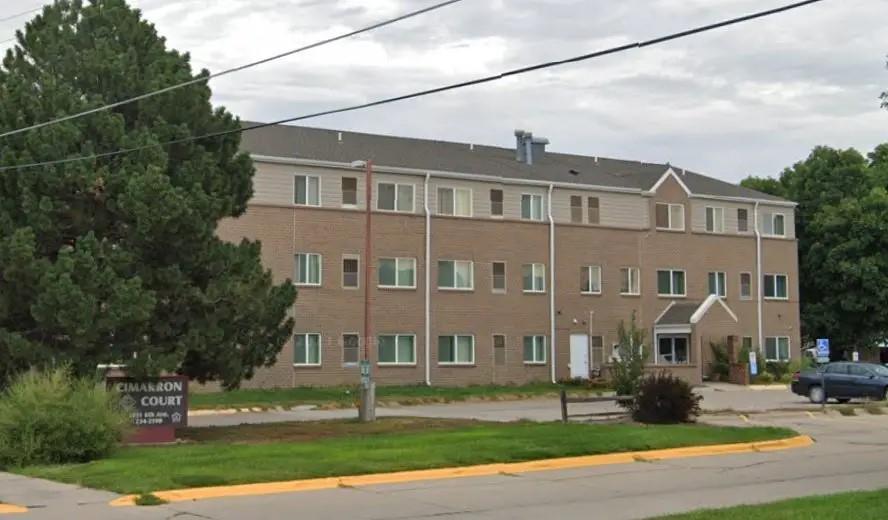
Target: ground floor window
x=534, y=349
x=499, y=349
x=777, y=348
x=672, y=350
x=456, y=350
x=350, y=349
x=397, y=349
x=307, y=349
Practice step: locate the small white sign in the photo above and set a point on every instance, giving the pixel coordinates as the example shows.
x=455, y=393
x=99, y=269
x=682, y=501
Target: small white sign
x=753, y=363
x=855, y=356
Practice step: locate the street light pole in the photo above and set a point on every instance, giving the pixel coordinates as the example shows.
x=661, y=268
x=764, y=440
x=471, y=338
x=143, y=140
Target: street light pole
x=367, y=411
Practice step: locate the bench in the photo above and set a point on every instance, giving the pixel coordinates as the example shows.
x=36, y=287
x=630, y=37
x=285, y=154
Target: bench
x=565, y=400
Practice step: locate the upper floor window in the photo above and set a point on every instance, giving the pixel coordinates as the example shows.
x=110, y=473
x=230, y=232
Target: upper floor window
x=715, y=220
x=455, y=201
x=455, y=274
x=499, y=277
x=308, y=269
x=745, y=286
x=531, y=207
x=456, y=350
x=349, y=191
x=717, y=284
x=630, y=283
x=742, y=220
x=590, y=279
x=576, y=208
x=496, y=203
x=775, y=286
x=594, y=215
x=777, y=348
x=397, y=272
x=670, y=216
x=534, y=276
x=774, y=224
x=671, y=282
x=395, y=197
x=350, y=276
x=307, y=190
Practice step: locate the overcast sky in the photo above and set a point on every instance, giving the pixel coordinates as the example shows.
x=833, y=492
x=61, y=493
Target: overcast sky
x=750, y=99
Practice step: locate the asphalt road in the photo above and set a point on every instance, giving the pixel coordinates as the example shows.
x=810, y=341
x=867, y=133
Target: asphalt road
x=850, y=454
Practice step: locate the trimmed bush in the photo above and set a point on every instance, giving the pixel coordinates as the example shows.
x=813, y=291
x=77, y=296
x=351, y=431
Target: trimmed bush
x=721, y=362
x=663, y=398
x=54, y=418
x=778, y=369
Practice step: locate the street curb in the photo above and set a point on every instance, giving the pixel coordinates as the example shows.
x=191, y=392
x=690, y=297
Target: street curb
x=10, y=509
x=269, y=488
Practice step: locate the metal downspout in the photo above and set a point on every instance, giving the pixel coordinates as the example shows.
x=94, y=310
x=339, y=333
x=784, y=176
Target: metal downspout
x=758, y=274
x=428, y=293
x=551, y=284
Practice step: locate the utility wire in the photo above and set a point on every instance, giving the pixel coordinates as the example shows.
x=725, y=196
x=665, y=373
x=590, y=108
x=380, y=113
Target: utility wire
x=233, y=70
x=23, y=13
x=454, y=86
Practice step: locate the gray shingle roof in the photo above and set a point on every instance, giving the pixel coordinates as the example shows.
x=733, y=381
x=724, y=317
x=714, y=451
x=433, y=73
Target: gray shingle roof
x=324, y=145
x=679, y=314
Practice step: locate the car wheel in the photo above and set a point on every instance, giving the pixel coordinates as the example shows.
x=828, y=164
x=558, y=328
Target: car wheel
x=843, y=400
x=815, y=394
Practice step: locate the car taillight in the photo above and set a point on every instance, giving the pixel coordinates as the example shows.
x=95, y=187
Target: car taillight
x=795, y=376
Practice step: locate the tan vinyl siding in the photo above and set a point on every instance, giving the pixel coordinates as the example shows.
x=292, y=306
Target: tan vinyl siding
x=416, y=180
x=273, y=184
x=512, y=199
x=480, y=194
x=622, y=210
x=698, y=215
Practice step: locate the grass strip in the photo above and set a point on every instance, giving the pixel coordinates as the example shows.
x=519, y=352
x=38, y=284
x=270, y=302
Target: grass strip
x=136, y=470
x=859, y=505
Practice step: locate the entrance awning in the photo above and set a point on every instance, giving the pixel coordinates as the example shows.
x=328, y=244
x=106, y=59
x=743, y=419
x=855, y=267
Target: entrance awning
x=680, y=317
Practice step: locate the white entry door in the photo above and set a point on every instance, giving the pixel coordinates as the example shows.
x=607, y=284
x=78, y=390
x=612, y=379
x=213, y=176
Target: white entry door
x=579, y=356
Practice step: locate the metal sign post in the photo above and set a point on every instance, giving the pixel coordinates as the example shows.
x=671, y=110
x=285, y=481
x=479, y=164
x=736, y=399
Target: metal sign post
x=823, y=357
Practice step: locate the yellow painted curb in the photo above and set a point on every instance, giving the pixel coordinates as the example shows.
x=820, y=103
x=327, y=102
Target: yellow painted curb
x=269, y=488
x=8, y=509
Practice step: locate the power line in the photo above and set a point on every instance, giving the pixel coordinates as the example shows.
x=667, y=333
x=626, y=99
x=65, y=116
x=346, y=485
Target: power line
x=454, y=86
x=23, y=13
x=233, y=70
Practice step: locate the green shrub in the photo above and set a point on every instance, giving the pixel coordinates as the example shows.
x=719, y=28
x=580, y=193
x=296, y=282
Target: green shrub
x=721, y=362
x=764, y=378
x=54, y=418
x=663, y=398
x=778, y=369
x=628, y=368
x=800, y=364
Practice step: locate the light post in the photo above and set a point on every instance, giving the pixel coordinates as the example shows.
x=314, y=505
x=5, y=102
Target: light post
x=367, y=410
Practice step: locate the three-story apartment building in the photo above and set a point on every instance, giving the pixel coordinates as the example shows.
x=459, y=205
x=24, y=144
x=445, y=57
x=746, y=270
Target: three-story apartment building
x=506, y=265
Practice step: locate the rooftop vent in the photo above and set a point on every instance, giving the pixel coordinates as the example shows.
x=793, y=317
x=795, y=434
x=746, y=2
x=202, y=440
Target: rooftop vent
x=528, y=147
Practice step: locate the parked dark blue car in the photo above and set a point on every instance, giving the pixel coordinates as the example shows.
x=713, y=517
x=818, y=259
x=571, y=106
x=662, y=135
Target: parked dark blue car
x=844, y=381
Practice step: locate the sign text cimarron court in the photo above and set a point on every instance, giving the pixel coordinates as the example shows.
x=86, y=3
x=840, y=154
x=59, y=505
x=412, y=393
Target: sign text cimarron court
x=160, y=401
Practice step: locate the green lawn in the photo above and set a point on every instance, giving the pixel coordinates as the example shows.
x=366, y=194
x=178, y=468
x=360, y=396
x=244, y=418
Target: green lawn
x=857, y=506
x=146, y=469
x=344, y=396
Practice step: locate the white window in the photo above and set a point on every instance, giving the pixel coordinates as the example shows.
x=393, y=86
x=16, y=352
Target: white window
x=745, y=286
x=531, y=207
x=672, y=350
x=496, y=203
x=456, y=274
x=534, y=350
x=307, y=190
x=742, y=220
x=717, y=284
x=351, y=349
x=307, y=349
x=534, y=277
x=349, y=192
x=455, y=201
x=775, y=286
x=774, y=224
x=671, y=282
x=456, y=350
x=397, y=349
x=715, y=220
x=576, y=208
x=350, y=271
x=590, y=279
x=777, y=348
x=670, y=216
x=397, y=272
x=395, y=197
x=308, y=269
x=498, y=283
x=630, y=283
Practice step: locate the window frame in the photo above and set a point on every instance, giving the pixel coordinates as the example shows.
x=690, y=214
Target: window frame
x=586, y=271
x=493, y=287
x=772, y=218
x=671, y=227
x=397, y=336
x=471, y=286
x=455, y=338
x=350, y=256
x=320, y=281
x=532, y=197
x=637, y=279
x=535, y=360
x=397, y=260
x=744, y=220
x=672, y=338
x=453, y=191
x=576, y=212
x=533, y=277
x=342, y=192
x=715, y=228
x=320, y=349
x=774, y=286
x=307, y=176
x=397, y=197
x=504, y=348
x=349, y=363
x=740, y=291
x=723, y=284
x=502, y=203
x=777, y=349
x=672, y=293
x=597, y=208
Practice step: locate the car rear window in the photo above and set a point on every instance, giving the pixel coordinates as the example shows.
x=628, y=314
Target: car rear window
x=880, y=370
x=837, y=368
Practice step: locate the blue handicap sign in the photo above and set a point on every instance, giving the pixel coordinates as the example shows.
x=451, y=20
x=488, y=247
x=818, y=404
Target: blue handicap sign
x=823, y=348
